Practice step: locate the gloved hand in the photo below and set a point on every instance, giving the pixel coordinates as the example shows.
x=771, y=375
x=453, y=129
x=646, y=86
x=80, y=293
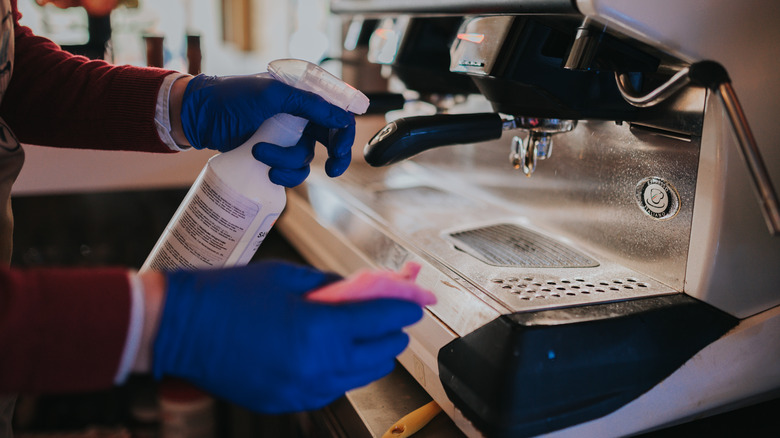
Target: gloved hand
x=221, y=113
x=248, y=334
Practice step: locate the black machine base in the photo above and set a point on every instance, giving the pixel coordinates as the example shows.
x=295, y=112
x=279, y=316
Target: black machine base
x=531, y=373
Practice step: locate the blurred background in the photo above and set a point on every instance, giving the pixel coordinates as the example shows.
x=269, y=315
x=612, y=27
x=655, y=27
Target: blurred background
x=216, y=37
x=236, y=36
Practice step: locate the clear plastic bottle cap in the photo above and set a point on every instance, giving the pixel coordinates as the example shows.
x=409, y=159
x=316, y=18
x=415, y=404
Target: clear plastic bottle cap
x=310, y=77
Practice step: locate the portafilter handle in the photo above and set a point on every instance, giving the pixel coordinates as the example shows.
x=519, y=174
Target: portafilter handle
x=408, y=136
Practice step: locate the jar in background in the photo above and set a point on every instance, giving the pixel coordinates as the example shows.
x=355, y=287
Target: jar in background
x=185, y=411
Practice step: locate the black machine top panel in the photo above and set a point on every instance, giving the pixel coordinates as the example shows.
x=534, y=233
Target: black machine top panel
x=460, y=7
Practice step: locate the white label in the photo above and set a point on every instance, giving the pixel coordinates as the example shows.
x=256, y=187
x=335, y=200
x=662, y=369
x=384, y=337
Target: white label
x=208, y=228
x=260, y=235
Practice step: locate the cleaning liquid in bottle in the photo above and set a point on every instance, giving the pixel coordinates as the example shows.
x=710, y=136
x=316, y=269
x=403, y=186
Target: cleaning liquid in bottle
x=232, y=205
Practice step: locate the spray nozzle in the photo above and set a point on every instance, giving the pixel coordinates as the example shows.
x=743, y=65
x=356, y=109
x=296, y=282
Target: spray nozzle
x=304, y=75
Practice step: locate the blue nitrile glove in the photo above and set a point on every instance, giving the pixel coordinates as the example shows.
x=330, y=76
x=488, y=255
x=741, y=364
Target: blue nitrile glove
x=290, y=165
x=248, y=335
x=221, y=113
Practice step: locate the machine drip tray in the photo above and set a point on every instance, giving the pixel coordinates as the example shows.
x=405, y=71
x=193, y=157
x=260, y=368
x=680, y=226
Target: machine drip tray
x=509, y=245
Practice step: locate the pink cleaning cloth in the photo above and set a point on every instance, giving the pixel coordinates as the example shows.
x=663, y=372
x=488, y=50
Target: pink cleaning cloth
x=371, y=284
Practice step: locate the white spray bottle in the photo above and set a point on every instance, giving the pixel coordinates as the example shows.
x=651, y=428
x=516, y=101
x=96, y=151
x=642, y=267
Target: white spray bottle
x=232, y=205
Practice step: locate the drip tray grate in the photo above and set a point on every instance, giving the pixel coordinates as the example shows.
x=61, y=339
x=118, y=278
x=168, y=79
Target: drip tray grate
x=529, y=288
x=509, y=245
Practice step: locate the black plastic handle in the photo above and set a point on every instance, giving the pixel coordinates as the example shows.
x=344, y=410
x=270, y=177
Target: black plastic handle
x=384, y=102
x=407, y=137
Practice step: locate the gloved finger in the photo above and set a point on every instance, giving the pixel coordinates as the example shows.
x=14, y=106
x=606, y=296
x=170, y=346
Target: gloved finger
x=288, y=177
x=377, y=318
x=313, y=107
x=332, y=277
x=338, y=142
x=318, y=132
x=298, y=279
x=292, y=157
x=337, y=166
x=339, y=151
x=370, y=353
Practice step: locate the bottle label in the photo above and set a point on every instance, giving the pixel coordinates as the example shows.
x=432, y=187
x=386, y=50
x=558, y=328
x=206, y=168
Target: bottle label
x=209, y=227
x=260, y=235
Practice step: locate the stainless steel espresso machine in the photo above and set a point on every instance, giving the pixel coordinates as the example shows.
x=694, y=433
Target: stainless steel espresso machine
x=590, y=195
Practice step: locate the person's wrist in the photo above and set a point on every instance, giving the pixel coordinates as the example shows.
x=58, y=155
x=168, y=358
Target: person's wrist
x=175, y=104
x=153, y=284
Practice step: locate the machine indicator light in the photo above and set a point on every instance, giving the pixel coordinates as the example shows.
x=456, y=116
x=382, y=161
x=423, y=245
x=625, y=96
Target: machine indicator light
x=475, y=38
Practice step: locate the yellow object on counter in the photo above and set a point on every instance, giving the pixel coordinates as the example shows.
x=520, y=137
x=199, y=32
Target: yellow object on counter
x=413, y=421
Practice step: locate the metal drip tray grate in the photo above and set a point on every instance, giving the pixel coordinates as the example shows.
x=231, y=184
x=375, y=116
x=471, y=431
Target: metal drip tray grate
x=509, y=245
x=529, y=288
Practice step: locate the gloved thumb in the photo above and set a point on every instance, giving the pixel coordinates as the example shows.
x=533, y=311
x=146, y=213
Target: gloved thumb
x=302, y=279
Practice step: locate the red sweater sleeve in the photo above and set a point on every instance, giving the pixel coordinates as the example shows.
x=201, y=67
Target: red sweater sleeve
x=62, y=330
x=59, y=99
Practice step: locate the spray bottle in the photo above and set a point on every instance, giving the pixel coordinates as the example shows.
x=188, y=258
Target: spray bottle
x=232, y=205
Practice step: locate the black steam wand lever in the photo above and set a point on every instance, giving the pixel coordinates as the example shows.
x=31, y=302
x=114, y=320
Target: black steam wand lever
x=408, y=136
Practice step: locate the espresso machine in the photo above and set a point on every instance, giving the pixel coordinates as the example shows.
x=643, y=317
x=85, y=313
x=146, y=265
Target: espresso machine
x=592, y=199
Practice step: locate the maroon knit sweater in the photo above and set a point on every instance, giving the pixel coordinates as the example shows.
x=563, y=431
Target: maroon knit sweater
x=64, y=329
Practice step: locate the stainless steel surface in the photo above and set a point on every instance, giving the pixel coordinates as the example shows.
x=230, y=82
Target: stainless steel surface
x=732, y=261
x=767, y=197
x=770, y=206
x=584, y=197
x=585, y=193
x=513, y=246
x=475, y=51
x=420, y=210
